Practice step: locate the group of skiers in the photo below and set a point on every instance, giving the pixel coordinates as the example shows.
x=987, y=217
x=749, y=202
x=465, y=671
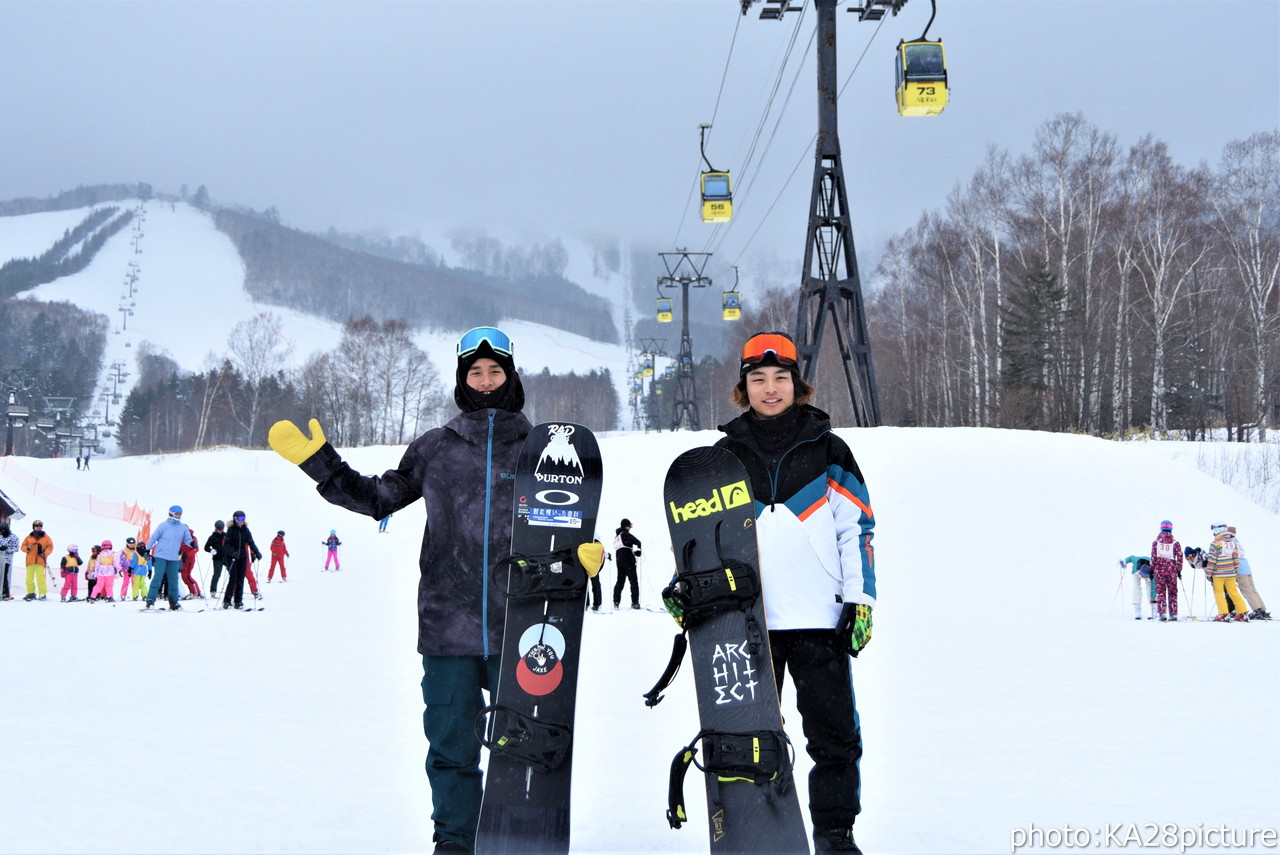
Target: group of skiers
x=816, y=535
x=146, y=571
x=1155, y=578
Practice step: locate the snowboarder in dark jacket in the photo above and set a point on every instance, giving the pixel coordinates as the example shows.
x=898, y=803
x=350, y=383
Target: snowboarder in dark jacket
x=465, y=474
x=626, y=547
x=237, y=550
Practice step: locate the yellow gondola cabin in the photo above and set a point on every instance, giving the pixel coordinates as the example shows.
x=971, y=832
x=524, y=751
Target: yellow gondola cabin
x=731, y=306
x=717, y=197
x=922, y=78
x=664, y=310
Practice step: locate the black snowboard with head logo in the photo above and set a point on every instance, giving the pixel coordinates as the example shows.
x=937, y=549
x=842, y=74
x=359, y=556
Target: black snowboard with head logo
x=752, y=804
x=529, y=727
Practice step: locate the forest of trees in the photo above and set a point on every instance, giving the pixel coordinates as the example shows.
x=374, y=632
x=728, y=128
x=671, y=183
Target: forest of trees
x=1087, y=287
x=1081, y=287
x=374, y=387
x=69, y=254
x=291, y=268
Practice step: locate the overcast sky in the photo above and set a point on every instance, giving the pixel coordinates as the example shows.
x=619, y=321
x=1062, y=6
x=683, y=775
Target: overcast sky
x=537, y=119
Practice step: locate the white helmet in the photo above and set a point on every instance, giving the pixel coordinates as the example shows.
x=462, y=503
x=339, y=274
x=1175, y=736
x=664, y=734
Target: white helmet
x=1218, y=528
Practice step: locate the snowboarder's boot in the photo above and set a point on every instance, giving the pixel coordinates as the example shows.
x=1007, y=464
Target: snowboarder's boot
x=445, y=846
x=834, y=840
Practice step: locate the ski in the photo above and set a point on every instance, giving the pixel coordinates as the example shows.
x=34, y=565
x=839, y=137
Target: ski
x=746, y=757
x=528, y=728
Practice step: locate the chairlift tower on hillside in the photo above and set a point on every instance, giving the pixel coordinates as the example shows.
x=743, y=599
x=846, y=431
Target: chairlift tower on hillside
x=830, y=285
x=684, y=271
x=651, y=407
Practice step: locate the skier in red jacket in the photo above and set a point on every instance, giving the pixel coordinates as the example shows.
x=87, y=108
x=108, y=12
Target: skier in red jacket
x=189, y=551
x=278, y=553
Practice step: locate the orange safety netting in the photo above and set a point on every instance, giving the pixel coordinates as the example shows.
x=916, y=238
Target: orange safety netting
x=83, y=502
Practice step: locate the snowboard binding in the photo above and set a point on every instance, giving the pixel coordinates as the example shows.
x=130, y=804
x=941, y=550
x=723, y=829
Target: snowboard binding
x=732, y=585
x=763, y=758
x=550, y=576
x=541, y=744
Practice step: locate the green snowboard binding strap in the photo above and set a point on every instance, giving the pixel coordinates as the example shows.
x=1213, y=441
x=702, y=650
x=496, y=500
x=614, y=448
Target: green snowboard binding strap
x=541, y=744
x=762, y=758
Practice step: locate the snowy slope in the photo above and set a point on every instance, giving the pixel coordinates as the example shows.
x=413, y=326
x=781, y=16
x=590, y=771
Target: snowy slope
x=190, y=296
x=28, y=236
x=1004, y=685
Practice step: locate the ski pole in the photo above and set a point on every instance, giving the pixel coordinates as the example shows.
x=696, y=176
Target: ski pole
x=1116, y=596
x=1191, y=606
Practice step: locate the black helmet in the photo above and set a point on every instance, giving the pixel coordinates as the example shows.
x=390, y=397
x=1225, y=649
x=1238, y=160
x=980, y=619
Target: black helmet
x=280, y=534
x=219, y=525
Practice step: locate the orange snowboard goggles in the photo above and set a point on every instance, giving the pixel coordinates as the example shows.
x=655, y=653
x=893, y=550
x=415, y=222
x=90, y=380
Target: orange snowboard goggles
x=760, y=346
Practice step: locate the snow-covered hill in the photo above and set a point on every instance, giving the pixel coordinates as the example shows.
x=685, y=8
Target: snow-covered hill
x=189, y=295
x=1007, y=683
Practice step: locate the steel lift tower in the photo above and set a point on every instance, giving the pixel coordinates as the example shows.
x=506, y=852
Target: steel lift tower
x=831, y=288
x=684, y=271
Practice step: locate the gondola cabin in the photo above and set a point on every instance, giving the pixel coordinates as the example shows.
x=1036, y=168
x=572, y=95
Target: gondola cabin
x=664, y=310
x=717, y=197
x=922, y=78
x=647, y=370
x=731, y=306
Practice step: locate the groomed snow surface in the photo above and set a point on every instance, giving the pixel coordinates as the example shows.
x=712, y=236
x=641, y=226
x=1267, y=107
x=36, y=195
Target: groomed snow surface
x=1006, y=685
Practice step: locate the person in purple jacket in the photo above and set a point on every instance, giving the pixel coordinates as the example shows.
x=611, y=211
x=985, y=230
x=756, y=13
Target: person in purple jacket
x=464, y=472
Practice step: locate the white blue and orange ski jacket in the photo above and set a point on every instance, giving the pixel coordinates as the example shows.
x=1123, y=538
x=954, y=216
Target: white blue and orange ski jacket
x=814, y=521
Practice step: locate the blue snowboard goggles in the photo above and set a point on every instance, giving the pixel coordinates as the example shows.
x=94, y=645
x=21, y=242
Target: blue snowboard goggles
x=471, y=340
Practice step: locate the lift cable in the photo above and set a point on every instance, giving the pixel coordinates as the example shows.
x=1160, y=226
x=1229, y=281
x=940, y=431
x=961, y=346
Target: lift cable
x=693, y=188
x=746, y=184
x=759, y=127
x=808, y=150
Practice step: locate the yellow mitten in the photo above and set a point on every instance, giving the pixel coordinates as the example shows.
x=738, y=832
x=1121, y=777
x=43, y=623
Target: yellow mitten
x=289, y=442
x=591, y=557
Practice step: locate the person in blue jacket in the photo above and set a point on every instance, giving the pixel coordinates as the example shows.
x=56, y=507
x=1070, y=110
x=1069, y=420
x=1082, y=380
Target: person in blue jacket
x=165, y=546
x=464, y=473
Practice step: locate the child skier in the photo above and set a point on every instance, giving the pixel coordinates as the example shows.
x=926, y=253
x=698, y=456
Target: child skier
x=1224, y=563
x=279, y=552
x=332, y=543
x=71, y=573
x=1144, y=586
x=1166, y=562
x=140, y=567
x=91, y=572
x=105, y=587
x=189, y=550
x=124, y=567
